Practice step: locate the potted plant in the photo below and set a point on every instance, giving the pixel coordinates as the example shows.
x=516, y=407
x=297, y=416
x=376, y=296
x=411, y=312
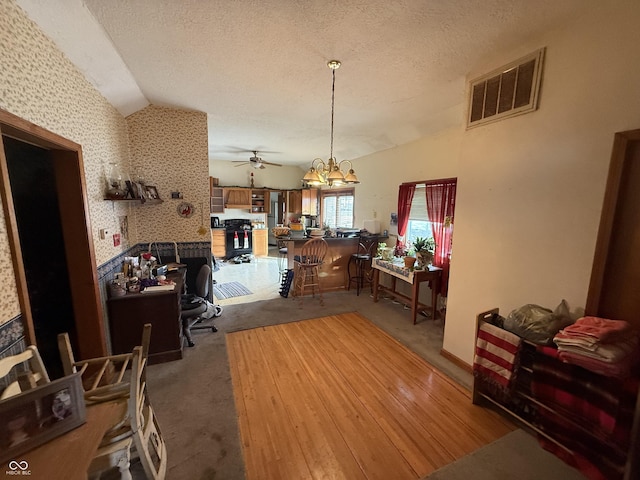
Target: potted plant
x=424, y=248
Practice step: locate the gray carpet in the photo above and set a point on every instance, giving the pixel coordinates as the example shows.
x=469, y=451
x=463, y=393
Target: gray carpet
x=517, y=455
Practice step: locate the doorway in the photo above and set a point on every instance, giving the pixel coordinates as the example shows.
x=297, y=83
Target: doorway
x=37, y=213
x=42, y=174
x=276, y=215
x=616, y=268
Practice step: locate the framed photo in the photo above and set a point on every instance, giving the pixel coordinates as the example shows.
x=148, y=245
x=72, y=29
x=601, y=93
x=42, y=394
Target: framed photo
x=152, y=192
x=36, y=416
x=132, y=191
x=141, y=191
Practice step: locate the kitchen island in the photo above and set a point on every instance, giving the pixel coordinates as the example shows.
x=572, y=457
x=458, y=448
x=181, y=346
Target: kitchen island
x=333, y=274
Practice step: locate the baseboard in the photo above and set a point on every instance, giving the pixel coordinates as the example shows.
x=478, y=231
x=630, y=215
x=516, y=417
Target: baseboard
x=456, y=361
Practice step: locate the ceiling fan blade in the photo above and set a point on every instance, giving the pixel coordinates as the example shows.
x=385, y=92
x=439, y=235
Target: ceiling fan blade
x=271, y=163
x=240, y=163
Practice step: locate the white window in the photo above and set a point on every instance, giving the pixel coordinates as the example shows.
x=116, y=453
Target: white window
x=419, y=224
x=337, y=208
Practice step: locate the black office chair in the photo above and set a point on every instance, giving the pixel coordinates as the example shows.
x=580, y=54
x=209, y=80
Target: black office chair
x=196, y=308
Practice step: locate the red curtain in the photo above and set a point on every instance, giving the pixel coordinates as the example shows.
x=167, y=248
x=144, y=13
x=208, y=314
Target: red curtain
x=441, y=203
x=405, y=196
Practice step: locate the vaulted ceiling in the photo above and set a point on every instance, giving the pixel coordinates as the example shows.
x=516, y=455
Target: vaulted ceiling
x=258, y=68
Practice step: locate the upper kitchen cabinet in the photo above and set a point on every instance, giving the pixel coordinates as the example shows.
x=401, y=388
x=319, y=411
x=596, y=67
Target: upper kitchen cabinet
x=294, y=203
x=259, y=201
x=237, y=198
x=216, y=196
x=310, y=201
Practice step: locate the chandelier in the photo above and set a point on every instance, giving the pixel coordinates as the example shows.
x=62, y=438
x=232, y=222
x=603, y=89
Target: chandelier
x=330, y=172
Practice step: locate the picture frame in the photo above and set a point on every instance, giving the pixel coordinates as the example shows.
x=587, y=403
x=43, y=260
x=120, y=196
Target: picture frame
x=141, y=192
x=152, y=192
x=132, y=190
x=39, y=415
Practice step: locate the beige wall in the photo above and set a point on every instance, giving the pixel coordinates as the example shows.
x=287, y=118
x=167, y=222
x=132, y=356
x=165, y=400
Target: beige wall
x=170, y=148
x=238, y=175
x=530, y=189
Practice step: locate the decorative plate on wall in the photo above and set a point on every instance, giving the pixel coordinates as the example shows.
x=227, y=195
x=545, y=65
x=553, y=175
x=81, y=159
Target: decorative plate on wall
x=186, y=209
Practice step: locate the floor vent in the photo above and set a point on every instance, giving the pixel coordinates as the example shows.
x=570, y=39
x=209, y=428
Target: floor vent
x=507, y=91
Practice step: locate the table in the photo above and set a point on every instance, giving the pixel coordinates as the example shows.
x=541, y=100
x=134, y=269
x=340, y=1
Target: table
x=69, y=456
x=413, y=277
x=129, y=313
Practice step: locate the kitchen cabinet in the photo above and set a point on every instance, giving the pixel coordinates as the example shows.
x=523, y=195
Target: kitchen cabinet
x=216, y=197
x=259, y=201
x=218, y=243
x=310, y=201
x=260, y=242
x=237, y=198
x=294, y=202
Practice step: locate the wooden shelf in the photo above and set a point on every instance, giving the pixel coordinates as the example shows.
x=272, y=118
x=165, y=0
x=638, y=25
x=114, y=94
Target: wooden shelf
x=147, y=201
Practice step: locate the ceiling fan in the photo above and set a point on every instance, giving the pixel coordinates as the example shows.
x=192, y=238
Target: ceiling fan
x=256, y=162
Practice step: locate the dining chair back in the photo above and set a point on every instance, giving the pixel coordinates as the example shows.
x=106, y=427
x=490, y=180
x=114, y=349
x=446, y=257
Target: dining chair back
x=147, y=436
x=22, y=371
x=103, y=378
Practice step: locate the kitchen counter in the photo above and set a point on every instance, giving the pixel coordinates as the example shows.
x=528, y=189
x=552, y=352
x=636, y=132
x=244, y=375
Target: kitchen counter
x=333, y=273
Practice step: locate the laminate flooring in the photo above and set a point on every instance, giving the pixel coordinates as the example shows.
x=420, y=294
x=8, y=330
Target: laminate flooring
x=337, y=398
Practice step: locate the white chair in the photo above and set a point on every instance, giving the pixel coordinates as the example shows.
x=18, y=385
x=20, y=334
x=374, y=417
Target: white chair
x=139, y=428
x=34, y=376
x=103, y=378
x=144, y=425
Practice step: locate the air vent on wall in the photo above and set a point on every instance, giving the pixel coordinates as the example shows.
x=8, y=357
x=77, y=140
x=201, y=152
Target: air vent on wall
x=506, y=92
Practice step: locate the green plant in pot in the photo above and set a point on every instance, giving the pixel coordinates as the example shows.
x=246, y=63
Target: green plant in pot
x=424, y=248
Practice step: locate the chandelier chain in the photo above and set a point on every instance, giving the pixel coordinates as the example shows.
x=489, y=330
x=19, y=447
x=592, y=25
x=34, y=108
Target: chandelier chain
x=333, y=93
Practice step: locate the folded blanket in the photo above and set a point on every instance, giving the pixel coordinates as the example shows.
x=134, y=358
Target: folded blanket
x=496, y=353
x=605, y=352
x=602, y=329
x=621, y=369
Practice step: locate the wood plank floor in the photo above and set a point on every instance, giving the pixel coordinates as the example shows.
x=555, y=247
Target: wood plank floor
x=338, y=398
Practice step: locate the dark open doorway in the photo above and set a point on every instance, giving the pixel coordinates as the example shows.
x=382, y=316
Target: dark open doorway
x=56, y=274
x=37, y=212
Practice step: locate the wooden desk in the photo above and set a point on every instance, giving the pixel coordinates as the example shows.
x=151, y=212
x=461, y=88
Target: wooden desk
x=129, y=313
x=414, y=277
x=69, y=456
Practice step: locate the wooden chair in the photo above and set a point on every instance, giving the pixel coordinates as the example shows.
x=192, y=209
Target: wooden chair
x=144, y=425
x=103, y=378
x=306, y=268
x=31, y=377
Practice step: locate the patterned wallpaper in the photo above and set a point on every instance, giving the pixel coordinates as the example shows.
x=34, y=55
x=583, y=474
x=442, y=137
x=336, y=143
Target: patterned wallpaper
x=169, y=148
x=39, y=84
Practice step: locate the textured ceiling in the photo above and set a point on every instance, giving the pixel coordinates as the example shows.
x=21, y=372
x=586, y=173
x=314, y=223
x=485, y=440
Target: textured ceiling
x=258, y=67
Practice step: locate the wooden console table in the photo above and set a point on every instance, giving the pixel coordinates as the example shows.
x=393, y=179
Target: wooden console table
x=129, y=313
x=413, y=277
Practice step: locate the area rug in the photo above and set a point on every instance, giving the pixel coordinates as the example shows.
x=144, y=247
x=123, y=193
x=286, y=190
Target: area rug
x=230, y=289
x=516, y=455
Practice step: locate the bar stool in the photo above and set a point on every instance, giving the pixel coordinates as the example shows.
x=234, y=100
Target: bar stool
x=281, y=242
x=362, y=261
x=306, y=268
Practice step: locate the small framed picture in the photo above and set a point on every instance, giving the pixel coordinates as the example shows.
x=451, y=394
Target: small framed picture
x=141, y=193
x=152, y=192
x=132, y=191
x=36, y=416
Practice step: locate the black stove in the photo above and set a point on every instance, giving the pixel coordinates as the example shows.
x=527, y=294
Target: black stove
x=238, y=237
